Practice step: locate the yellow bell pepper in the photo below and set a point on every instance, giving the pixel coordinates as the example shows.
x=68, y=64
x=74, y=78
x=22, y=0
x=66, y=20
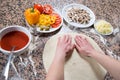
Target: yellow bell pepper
x=32, y=16
x=46, y=20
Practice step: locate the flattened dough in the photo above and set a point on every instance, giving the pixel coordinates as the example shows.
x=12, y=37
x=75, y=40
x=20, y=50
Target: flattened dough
x=76, y=67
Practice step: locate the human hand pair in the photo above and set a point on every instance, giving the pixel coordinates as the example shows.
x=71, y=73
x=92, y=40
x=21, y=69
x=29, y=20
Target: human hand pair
x=64, y=46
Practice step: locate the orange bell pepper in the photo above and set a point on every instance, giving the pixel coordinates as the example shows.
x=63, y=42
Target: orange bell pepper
x=32, y=16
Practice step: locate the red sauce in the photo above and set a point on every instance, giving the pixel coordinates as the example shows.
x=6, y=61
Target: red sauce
x=14, y=38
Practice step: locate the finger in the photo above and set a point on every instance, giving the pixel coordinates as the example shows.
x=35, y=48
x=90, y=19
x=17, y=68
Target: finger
x=68, y=48
x=69, y=41
x=78, y=42
x=85, y=42
x=68, y=38
x=81, y=39
x=88, y=43
x=77, y=48
x=72, y=46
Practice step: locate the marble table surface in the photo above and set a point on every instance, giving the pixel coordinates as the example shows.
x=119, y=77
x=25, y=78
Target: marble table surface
x=30, y=67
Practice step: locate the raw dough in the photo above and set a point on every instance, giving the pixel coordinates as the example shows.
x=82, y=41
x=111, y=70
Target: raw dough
x=76, y=67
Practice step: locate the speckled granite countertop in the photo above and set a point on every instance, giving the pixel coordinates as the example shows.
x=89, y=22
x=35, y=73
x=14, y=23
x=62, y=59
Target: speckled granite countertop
x=31, y=67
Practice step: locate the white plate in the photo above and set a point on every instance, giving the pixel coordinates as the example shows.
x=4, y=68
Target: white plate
x=68, y=7
x=95, y=24
x=51, y=29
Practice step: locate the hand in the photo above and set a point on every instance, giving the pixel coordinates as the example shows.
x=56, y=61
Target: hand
x=64, y=46
x=83, y=46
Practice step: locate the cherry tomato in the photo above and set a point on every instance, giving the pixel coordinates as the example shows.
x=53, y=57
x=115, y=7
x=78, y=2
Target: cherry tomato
x=47, y=9
x=57, y=21
x=38, y=7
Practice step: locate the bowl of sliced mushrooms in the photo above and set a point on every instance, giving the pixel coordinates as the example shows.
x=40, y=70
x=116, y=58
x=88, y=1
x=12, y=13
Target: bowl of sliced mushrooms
x=78, y=15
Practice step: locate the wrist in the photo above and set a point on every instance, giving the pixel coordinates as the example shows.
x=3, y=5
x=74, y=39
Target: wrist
x=94, y=54
x=59, y=56
x=60, y=53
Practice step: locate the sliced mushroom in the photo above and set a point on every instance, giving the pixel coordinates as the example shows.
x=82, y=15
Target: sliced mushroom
x=78, y=15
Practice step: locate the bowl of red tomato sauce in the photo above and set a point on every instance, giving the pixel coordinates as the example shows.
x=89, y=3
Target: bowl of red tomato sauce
x=14, y=36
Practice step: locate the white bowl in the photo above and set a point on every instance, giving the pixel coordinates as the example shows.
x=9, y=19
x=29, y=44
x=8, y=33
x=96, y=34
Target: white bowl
x=96, y=23
x=51, y=29
x=15, y=28
x=80, y=6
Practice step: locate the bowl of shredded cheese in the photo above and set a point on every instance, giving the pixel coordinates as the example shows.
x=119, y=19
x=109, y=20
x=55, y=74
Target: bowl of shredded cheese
x=103, y=27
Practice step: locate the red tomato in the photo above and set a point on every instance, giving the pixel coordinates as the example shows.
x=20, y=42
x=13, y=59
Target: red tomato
x=57, y=21
x=47, y=9
x=54, y=25
x=38, y=7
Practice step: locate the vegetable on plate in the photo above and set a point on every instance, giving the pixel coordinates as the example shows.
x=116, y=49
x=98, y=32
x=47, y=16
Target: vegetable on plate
x=47, y=9
x=39, y=7
x=103, y=27
x=57, y=21
x=32, y=16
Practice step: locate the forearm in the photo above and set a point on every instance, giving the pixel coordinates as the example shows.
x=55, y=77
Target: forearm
x=56, y=70
x=110, y=64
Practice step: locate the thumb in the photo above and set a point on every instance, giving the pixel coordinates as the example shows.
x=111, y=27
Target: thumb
x=72, y=46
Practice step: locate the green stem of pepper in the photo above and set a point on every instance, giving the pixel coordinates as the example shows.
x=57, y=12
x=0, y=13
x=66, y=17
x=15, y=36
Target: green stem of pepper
x=32, y=10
